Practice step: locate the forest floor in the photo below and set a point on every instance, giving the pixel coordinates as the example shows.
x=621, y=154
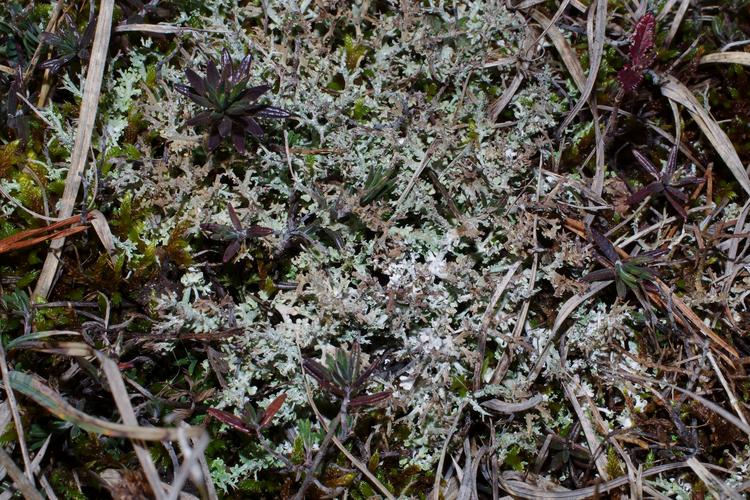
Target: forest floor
x=375, y=249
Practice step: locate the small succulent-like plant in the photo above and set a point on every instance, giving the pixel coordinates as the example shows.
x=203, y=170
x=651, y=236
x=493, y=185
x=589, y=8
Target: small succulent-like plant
x=19, y=32
x=231, y=104
x=344, y=377
x=628, y=273
x=251, y=421
x=642, y=53
x=380, y=182
x=664, y=182
x=69, y=45
x=17, y=119
x=235, y=234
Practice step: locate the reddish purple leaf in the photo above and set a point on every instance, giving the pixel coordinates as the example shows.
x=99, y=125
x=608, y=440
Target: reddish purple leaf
x=366, y=374
x=600, y=275
x=370, y=400
x=272, y=409
x=213, y=141
x=629, y=78
x=258, y=231
x=647, y=165
x=231, y=251
x=238, y=139
x=670, y=195
x=322, y=376
x=318, y=371
x=671, y=163
x=235, y=219
x=231, y=420
x=641, y=53
x=273, y=112
x=644, y=192
x=605, y=247
x=642, y=41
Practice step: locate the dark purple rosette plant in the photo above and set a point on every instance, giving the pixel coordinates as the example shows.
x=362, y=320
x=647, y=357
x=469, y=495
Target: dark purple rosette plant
x=230, y=103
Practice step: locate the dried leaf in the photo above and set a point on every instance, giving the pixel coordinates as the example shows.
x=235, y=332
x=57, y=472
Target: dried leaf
x=22, y=341
x=510, y=408
x=99, y=222
x=726, y=58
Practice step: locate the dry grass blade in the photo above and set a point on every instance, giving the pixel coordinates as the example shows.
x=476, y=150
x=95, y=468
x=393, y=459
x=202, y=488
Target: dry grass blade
x=516, y=485
x=716, y=409
x=677, y=92
x=732, y=398
x=21, y=482
x=572, y=388
x=87, y=116
x=556, y=17
x=76, y=349
x=468, y=476
x=160, y=29
x=122, y=400
x=363, y=468
x=28, y=211
x=713, y=483
x=100, y=225
x=422, y=164
x=34, y=388
x=435, y=495
x=566, y=310
x=25, y=340
x=676, y=22
x=596, y=50
x=527, y=4
x=668, y=5
x=31, y=237
x=690, y=315
x=13, y=404
x=192, y=457
x=502, y=102
x=210, y=488
x=510, y=408
x=734, y=246
x=726, y=58
x=488, y=314
x=563, y=47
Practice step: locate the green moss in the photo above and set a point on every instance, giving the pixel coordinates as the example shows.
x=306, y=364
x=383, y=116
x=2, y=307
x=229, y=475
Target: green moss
x=64, y=485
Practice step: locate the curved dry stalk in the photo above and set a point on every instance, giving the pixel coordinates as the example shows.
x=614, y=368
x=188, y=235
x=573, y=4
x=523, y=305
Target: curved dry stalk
x=514, y=484
x=598, y=23
x=86, y=119
x=16, y=416
x=21, y=482
x=486, y=319
x=676, y=91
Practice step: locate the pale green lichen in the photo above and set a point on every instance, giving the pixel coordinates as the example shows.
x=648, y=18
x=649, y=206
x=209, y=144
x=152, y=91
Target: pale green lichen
x=407, y=276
